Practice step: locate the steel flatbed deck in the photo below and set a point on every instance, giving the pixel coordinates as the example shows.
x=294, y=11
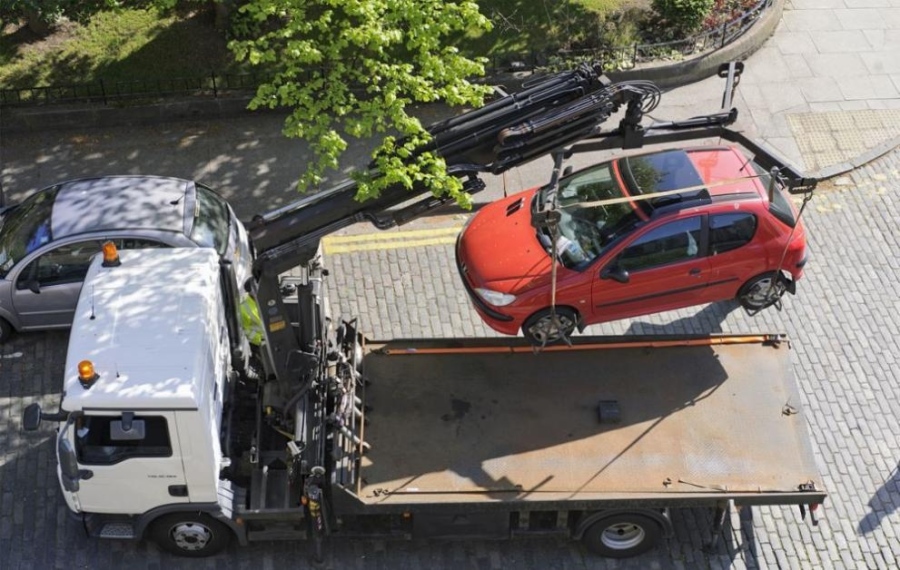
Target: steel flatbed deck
x=488, y=420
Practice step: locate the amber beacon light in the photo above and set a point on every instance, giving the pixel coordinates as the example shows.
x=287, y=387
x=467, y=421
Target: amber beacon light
x=86, y=374
x=110, y=255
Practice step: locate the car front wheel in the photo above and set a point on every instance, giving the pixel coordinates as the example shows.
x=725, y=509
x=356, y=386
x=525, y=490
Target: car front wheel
x=543, y=327
x=6, y=330
x=762, y=291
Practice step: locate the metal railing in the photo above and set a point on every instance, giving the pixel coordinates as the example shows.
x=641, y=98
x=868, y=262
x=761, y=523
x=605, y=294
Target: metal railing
x=215, y=84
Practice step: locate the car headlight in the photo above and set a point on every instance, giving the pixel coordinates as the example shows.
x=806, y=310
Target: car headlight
x=495, y=298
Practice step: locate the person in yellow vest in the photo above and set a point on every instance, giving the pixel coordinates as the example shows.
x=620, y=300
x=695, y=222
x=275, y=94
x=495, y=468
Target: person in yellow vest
x=251, y=321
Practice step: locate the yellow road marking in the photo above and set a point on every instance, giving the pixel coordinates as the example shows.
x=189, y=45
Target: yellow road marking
x=390, y=240
x=385, y=236
x=348, y=248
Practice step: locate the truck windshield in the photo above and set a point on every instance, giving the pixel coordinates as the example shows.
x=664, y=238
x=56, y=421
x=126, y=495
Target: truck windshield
x=211, y=220
x=587, y=229
x=25, y=228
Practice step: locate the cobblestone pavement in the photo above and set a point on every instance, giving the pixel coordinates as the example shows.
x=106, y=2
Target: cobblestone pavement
x=844, y=322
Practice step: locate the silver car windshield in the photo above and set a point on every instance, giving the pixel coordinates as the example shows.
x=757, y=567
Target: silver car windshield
x=588, y=229
x=211, y=219
x=26, y=228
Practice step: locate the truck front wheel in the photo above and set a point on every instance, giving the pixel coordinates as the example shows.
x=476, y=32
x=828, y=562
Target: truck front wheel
x=622, y=536
x=190, y=534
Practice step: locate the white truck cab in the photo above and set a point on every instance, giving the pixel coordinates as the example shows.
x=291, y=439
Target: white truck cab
x=146, y=373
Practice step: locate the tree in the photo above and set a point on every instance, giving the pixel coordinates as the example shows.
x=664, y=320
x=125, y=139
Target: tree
x=352, y=67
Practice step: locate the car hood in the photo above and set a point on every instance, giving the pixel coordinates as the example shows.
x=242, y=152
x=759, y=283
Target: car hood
x=499, y=248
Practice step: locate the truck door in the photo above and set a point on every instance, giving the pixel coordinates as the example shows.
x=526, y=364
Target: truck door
x=131, y=462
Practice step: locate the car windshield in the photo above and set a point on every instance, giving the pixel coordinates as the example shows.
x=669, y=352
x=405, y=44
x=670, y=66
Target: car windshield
x=26, y=228
x=210, y=220
x=587, y=228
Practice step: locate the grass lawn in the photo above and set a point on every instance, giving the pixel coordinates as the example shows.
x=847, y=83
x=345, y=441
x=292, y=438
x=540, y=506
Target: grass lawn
x=133, y=44
x=116, y=46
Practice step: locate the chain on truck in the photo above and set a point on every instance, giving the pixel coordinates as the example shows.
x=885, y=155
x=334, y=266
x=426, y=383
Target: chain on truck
x=174, y=428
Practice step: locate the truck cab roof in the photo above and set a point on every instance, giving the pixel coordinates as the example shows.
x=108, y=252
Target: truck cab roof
x=146, y=325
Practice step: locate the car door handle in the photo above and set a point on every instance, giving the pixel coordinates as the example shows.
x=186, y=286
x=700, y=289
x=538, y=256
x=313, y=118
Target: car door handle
x=695, y=272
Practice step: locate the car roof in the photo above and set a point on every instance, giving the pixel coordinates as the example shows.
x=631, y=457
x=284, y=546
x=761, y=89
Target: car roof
x=120, y=202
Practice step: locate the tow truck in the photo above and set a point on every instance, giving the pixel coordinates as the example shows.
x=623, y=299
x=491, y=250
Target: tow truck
x=174, y=428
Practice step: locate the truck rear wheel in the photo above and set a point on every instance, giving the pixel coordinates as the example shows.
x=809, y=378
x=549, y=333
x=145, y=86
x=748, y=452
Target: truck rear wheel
x=622, y=536
x=190, y=534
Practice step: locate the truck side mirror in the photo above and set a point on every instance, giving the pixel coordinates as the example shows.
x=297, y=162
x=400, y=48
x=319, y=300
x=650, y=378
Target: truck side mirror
x=615, y=273
x=31, y=417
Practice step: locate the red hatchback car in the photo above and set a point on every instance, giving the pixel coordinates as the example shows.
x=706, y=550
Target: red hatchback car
x=689, y=227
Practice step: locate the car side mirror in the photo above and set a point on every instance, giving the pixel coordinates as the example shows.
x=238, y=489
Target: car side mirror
x=34, y=286
x=31, y=418
x=615, y=273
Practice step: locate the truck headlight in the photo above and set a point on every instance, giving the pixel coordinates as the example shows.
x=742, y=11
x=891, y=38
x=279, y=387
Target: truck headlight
x=495, y=298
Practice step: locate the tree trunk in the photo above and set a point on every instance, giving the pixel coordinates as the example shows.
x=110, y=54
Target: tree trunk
x=37, y=24
x=223, y=14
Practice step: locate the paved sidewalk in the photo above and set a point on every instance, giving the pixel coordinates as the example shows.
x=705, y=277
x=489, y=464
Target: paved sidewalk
x=824, y=90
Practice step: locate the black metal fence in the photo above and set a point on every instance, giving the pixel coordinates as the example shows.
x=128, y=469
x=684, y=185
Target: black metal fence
x=216, y=85
x=107, y=92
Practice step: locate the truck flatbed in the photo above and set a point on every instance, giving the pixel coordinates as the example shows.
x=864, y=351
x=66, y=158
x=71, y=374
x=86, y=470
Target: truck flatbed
x=488, y=420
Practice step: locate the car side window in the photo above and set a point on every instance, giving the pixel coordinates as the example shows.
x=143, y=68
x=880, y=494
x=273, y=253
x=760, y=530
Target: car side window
x=103, y=440
x=69, y=263
x=64, y=264
x=669, y=243
x=730, y=231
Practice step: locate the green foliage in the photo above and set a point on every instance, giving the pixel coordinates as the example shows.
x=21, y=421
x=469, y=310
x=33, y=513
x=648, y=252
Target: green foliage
x=352, y=67
x=683, y=16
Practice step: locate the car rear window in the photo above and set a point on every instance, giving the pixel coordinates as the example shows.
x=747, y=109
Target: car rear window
x=211, y=220
x=779, y=206
x=26, y=228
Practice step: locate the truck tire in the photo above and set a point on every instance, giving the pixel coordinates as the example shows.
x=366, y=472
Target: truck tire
x=622, y=536
x=6, y=330
x=190, y=534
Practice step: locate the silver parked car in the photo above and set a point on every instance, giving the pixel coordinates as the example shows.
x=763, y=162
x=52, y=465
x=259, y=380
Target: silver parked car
x=47, y=241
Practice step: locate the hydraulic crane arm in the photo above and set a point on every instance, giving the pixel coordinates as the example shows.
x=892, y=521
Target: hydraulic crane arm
x=546, y=116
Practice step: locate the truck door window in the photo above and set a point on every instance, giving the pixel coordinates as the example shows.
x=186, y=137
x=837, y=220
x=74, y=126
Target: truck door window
x=95, y=443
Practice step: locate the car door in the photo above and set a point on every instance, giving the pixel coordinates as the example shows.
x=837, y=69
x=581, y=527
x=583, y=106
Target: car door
x=46, y=291
x=664, y=267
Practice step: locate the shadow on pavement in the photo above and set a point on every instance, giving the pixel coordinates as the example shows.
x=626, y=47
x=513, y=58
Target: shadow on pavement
x=883, y=503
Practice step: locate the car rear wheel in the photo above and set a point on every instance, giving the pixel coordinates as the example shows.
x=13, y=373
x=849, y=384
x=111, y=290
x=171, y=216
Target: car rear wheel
x=6, y=330
x=190, y=534
x=622, y=536
x=762, y=291
x=542, y=329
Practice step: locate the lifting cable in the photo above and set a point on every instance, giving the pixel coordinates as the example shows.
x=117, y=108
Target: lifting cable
x=775, y=176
